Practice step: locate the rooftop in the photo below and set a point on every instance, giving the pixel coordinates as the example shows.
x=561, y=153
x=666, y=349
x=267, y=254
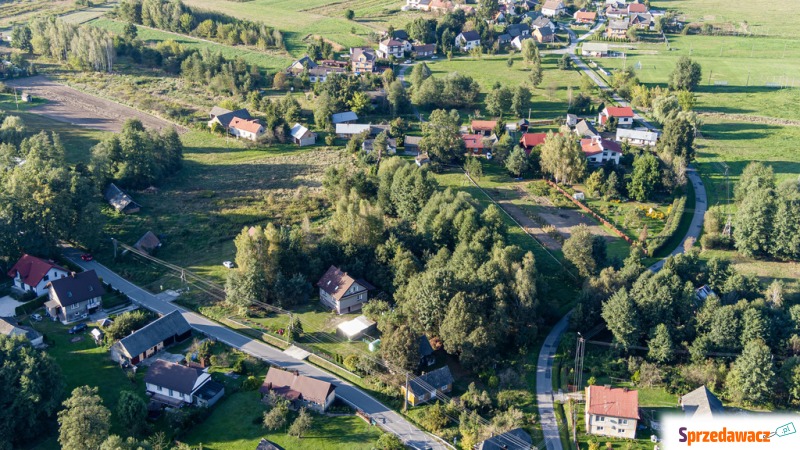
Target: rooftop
x=612, y=402
x=172, y=376
x=77, y=288
x=151, y=334
x=32, y=269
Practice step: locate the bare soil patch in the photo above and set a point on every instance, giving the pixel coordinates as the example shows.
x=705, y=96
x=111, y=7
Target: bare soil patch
x=564, y=220
x=72, y=106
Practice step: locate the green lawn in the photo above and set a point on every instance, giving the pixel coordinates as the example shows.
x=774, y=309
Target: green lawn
x=272, y=60
x=760, y=15
x=235, y=424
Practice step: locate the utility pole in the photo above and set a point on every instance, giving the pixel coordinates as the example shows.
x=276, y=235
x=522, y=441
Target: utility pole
x=405, y=395
x=114, y=241
x=579, y=352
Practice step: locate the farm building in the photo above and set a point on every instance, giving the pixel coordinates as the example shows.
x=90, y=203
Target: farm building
x=147, y=243
x=354, y=329
x=637, y=137
x=151, y=338
x=594, y=49
x=121, y=201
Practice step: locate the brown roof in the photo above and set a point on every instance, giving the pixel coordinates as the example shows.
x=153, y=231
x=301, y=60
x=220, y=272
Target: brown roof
x=585, y=15
x=336, y=283
x=253, y=126
x=473, y=141
x=147, y=243
x=592, y=146
x=484, y=125
x=637, y=8
x=612, y=402
x=293, y=386
x=32, y=269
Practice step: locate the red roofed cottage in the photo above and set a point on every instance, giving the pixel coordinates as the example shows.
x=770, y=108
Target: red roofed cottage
x=31, y=274
x=611, y=411
x=624, y=115
x=598, y=151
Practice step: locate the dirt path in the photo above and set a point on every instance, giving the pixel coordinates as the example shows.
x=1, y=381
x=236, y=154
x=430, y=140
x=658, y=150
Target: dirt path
x=66, y=104
x=530, y=226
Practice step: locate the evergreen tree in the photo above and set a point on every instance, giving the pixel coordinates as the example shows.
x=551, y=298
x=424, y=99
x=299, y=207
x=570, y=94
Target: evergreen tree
x=754, y=222
x=132, y=412
x=750, y=379
x=622, y=318
x=661, y=347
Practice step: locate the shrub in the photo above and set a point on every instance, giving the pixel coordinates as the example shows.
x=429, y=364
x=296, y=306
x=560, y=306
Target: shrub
x=251, y=383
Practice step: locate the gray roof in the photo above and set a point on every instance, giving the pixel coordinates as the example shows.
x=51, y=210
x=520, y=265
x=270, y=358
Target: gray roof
x=267, y=445
x=425, y=348
x=541, y=22
x=545, y=31
x=226, y=118
x=151, y=334
x=595, y=47
x=470, y=35
x=119, y=199
x=298, y=131
x=436, y=379
x=585, y=129
x=218, y=111
x=172, y=376
x=412, y=140
x=11, y=328
x=618, y=25
x=701, y=403
x=209, y=390
x=352, y=128
x=346, y=116
x=517, y=29
x=77, y=288
x=516, y=439
x=646, y=135
x=147, y=243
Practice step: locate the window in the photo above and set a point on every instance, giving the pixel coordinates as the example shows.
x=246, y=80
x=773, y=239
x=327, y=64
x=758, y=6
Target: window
x=46, y=277
x=600, y=418
x=623, y=421
x=621, y=430
x=74, y=306
x=360, y=296
x=158, y=388
x=170, y=392
x=599, y=428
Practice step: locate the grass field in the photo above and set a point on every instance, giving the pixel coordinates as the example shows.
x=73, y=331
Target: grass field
x=762, y=17
x=87, y=14
x=272, y=61
x=22, y=11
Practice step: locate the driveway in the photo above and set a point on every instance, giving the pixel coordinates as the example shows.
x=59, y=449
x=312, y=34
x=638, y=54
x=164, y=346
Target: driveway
x=8, y=306
x=385, y=417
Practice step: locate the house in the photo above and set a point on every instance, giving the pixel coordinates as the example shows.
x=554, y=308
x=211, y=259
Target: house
x=299, y=66
x=393, y=47
x=423, y=51
x=637, y=137
x=623, y=114
x=344, y=117
x=147, y=243
x=553, y=8
x=519, y=29
x=441, y=5
x=594, y=49
x=477, y=143
x=176, y=385
x=571, y=121
x=31, y=274
x=504, y=39
x=617, y=29
x=320, y=74
x=341, y=292
x=302, y=136
x=544, y=35
x=642, y=21
x=300, y=390
x=426, y=356
x=483, y=127
x=264, y=444
x=151, y=338
x=391, y=145
x=703, y=292
x=543, y=22
x=516, y=439
x=614, y=12
x=585, y=129
x=422, y=159
x=418, y=4
x=467, y=40
x=637, y=8
x=10, y=328
x=585, y=17
x=530, y=140
x=356, y=328
x=121, y=201
x=428, y=386
x=363, y=59
x=74, y=297
x=518, y=41
x=598, y=150
x=348, y=130
x=411, y=143
x=250, y=129
x=611, y=411
x=701, y=404
x=224, y=116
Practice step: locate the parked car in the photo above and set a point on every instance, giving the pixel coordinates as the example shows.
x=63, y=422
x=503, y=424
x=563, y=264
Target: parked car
x=36, y=317
x=228, y=264
x=408, y=61
x=87, y=257
x=78, y=328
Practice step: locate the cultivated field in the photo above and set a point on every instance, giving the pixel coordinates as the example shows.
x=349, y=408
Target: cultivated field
x=21, y=11
x=77, y=108
x=760, y=16
x=88, y=14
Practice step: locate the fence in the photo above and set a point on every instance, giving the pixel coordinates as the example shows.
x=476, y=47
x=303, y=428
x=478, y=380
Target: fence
x=593, y=214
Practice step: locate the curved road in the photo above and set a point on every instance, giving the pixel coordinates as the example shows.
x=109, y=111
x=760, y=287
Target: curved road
x=544, y=383
x=384, y=416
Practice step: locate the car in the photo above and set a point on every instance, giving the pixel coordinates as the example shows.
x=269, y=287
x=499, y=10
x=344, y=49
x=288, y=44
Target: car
x=229, y=264
x=408, y=61
x=36, y=317
x=87, y=257
x=78, y=328
x=434, y=57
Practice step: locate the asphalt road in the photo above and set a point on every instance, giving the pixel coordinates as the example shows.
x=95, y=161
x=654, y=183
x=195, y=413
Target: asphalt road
x=544, y=384
x=384, y=416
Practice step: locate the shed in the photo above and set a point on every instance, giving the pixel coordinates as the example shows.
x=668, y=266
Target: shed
x=302, y=136
x=97, y=335
x=354, y=329
x=147, y=243
x=121, y=201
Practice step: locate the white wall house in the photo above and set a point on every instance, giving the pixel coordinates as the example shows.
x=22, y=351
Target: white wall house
x=599, y=151
x=246, y=128
x=31, y=274
x=467, y=40
x=623, y=114
x=645, y=138
x=341, y=292
x=553, y=8
x=175, y=385
x=611, y=411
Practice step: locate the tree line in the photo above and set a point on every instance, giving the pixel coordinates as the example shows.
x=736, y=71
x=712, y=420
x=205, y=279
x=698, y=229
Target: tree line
x=177, y=17
x=82, y=47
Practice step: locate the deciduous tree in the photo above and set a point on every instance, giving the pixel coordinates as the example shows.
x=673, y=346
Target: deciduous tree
x=686, y=75
x=84, y=422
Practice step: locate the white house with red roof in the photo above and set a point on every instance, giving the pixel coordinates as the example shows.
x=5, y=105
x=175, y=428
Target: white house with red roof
x=611, y=411
x=637, y=8
x=623, y=114
x=31, y=274
x=250, y=129
x=341, y=292
x=598, y=150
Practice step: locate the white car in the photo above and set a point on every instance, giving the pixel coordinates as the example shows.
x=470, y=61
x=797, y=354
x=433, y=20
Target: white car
x=36, y=317
x=408, y=61
x=228, y=264
x=434, y=57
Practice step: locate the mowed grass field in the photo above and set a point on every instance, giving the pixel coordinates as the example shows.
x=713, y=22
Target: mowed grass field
x=762, y=16
x=266, y=60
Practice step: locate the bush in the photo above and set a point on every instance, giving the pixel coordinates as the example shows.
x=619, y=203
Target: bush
x=27, y=308
x=655, y=243
x=240, y=367
x=251, y=383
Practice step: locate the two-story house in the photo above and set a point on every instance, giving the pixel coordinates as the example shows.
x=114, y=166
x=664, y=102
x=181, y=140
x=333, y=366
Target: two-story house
x=428, y=386
x=598, y=150
x=341, y=292
x=553, y=8
x=363, y=60
x=176, y=385
x=31, y=274
x=393, y=47
x=74, y=297
x=617, y=29
x=611, y=411
x=623, y=114
x=467, y=40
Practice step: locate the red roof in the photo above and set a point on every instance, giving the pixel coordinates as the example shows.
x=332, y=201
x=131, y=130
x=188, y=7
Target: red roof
x=637, y=8
x=532, y=139
x=585, y=15
x=253, y=126
x=594, y=146
x=32, y=269
x=612, y=402
x=337, y=283
x=473, y=141
x=619, y=111
x=483, y=125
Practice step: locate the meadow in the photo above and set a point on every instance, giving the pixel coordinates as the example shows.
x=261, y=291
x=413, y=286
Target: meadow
x=761, y=16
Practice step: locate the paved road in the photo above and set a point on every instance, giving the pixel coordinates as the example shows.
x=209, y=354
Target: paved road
x=385, y=417
x=544, y=386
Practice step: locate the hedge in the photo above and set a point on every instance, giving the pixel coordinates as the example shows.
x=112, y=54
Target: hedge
x=657, y=242
x=31, y=306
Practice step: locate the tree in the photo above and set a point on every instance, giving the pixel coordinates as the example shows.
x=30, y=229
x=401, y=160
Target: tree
x=400, y=347
x=521, y=101
x=660, y=345
x=536, y=75
x=562, y=158
x=686, y=75
x=754, y=176
x=359, y=103
x=473, y=167
x=397, y=97
x=530, y=52
x=499, y=100
x=754, y=221
x=687, y=100
x=84, y=422
x=29, y=394
x=487, y=9
x=786, y=244
x=301, y=424
x=130, y=32
x=419, y=73
x=664, y=107
x=278, y=81
x=612, y=187
x=441, y=137
x=132, y=412
x=595, y=184
x=645, y=178
x=21, y=38
x=565, y=63
x=517, y=161
x=434, y=418
x=632, y=34
x=380, y=144
x=277, y=417
x=751, y=377
x=622, y=318
x=389, y=441
x=578, y=250
x=587, y=85
x=295, y=329
x=349, y=14
x=678, y=138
